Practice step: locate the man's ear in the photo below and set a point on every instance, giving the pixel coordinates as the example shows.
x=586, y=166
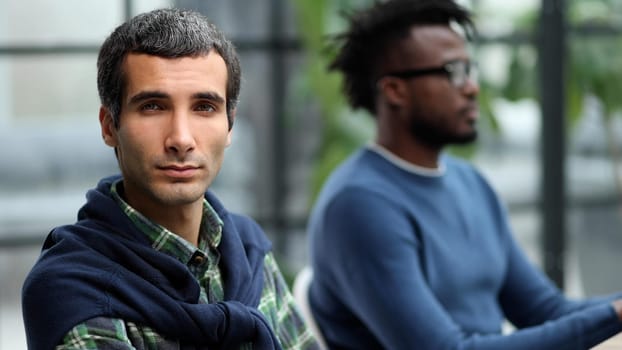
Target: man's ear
x=108, y=129
x=393, y=90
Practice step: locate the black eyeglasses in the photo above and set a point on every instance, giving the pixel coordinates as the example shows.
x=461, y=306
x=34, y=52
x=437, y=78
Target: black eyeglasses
x=458, y=72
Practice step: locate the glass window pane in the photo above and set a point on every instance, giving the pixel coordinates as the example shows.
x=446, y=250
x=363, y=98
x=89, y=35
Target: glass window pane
x=495, y=17
x=67, y=21
x=14, y=265
x=235, y=17
x=594, y=168
x=50, y=88
x=140, y=6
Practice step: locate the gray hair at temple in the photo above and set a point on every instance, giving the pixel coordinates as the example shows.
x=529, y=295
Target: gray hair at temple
x=168, y=33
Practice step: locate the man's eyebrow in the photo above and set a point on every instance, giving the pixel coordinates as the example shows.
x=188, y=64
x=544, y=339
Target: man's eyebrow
x=211, y=96
x=146, y=95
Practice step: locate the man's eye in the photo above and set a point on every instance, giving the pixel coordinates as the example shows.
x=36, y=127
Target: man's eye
x=151, y=107
x=205, y=107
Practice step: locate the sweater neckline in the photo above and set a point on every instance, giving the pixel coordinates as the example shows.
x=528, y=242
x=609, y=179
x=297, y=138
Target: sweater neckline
x=405, y=165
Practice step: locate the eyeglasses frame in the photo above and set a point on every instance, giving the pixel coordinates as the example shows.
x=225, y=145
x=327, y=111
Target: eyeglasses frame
x=447, y=69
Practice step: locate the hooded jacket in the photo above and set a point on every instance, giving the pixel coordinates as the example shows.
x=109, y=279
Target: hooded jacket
x=103, y=265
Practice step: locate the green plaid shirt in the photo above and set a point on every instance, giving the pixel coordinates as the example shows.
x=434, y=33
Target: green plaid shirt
x=276, y=304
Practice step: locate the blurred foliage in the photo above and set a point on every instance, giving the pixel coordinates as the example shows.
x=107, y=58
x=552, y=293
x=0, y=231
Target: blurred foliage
x=316, y=18
x=593, y=62
x=593, y=66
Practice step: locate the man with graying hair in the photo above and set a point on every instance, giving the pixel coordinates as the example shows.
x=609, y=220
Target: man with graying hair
x=154, y=260
x=411, y=248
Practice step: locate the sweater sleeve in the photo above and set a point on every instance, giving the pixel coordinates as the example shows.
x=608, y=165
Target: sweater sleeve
x=381, y=280
x=529, y=299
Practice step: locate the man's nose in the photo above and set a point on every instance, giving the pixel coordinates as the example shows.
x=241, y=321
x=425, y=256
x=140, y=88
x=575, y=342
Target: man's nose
x=180, y=138
x=470, y=87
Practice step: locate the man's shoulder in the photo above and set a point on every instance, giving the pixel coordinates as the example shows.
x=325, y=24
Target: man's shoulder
x=245, y=222
x=460, y=167
x=240, y=225
x=361, y=180
x=453, y=162
x=358, y=169
x=239, y=220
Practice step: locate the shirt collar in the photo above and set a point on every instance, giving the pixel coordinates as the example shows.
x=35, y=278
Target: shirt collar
x=163, y=240
x=407, y=166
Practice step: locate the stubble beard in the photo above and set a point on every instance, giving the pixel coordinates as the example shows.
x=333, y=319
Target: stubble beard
x=179, y=194
x=437, y=136
x=167, y=194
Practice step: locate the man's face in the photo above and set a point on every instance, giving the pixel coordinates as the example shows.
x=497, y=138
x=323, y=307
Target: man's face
x=439, y=112
x=172, y=130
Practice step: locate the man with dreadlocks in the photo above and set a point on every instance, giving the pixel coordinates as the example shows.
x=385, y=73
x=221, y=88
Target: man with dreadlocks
x=411, y=248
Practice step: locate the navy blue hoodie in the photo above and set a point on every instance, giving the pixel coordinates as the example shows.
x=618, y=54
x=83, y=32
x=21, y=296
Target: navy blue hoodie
x=103, y=265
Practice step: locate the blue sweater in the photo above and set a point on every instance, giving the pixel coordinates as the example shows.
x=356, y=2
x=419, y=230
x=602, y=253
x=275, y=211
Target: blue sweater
x=403, y=260
x=105, y=266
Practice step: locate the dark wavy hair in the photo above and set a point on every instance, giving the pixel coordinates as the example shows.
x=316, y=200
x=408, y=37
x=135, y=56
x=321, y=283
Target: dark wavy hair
x=168, y=33
x=372, y=31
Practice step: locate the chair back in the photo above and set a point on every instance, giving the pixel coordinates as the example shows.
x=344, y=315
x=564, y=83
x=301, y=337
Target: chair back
x=300, y=291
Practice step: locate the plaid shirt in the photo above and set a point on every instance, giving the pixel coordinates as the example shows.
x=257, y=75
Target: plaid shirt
x=276, y=304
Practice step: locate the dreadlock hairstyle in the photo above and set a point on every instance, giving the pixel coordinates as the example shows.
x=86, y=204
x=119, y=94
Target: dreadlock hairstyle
x=373, y=30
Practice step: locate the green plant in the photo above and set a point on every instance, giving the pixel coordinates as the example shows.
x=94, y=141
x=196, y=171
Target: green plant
x=593, y=66
x=340, y=136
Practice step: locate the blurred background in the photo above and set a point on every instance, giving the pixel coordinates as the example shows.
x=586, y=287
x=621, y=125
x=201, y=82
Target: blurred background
x=551, y=128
